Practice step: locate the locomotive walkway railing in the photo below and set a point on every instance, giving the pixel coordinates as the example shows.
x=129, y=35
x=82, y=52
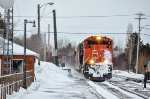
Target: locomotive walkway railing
x=13, y=82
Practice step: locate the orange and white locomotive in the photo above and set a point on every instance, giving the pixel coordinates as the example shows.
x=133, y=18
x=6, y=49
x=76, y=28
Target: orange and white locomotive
x=94, y=57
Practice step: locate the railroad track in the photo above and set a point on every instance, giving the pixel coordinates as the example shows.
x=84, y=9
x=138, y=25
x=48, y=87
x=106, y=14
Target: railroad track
x=114, y=91
x=121, y=91
x=126, y=89
x=132, y=87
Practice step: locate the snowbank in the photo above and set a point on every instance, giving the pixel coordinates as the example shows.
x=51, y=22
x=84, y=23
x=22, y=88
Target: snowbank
x=46, y=74
x=53, y=82
x=48, y=71
x=129, y=75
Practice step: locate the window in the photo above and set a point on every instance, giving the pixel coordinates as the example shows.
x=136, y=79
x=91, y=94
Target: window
x=88, y=42
x=16, y=66
x=105, y=42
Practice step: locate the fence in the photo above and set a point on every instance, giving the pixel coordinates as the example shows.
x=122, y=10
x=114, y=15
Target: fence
x=13, y=82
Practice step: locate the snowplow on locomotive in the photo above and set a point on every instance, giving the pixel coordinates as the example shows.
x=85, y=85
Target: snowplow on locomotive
x=94, y=58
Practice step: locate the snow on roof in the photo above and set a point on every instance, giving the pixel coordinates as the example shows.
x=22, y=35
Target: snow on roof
x=19, y=50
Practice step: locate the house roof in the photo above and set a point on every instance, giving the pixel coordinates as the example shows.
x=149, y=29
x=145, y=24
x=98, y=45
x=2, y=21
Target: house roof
x=18, y=50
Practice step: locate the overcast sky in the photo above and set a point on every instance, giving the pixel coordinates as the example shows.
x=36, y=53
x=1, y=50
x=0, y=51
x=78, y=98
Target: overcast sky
x=73, y=17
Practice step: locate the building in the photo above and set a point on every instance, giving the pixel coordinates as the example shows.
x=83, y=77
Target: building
x=16, y=63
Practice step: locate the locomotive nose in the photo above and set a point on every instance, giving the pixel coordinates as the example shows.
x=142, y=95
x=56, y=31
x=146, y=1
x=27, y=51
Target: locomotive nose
x=107, y=56
x=92, y=61
x=95, y=54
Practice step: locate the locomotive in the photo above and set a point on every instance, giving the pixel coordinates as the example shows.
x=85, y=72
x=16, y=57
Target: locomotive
x=94, y=57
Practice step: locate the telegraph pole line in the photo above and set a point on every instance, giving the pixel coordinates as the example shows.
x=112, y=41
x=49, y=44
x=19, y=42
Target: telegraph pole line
x=138, y=43
x=130, y=51
x=48, y=36
x=45, y=47
x=55, y=38
x=38, y=40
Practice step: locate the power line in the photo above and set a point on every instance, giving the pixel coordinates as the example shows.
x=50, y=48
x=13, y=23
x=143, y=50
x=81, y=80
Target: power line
x=146, y=34
x=83, y=16
x=88, y=33
x=80, y=33
x=18, y=11
x=94, y=16
x=147, y=28
x=147, y=15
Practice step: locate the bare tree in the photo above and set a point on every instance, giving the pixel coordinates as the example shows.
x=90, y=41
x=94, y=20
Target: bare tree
x=1, y=24
x=129, y=30
x=119, y=59
x=129, y=48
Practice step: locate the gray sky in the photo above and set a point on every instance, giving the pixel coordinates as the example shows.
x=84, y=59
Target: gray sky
x=69, y=17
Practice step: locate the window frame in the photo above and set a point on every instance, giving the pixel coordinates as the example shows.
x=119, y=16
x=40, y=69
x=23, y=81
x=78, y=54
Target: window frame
x=11, y=65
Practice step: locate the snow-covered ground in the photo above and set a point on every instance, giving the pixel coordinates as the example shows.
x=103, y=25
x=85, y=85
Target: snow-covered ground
x=53, y=82
x=128, y=74
x=132, y=82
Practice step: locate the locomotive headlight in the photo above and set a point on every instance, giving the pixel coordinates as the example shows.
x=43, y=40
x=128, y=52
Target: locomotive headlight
x=106, y=61
x=98, y=38
x=92, y=61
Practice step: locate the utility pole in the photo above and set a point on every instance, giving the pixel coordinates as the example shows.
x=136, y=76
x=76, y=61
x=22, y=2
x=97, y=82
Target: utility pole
x=138, y=43
x=130, y=51
x=24, y=63
x=39, y=19
x=48, y=36
x=45, y=47
x=38, y=39
x=55, y=38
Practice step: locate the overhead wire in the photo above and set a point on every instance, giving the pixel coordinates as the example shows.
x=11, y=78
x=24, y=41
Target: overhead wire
x=147, y=28
x=43, y=10
x=147, y=15
x=18, y=10
x=46, y=14
x=146, y=34
x=97, y=16
x=80, y=33
x=36, y=1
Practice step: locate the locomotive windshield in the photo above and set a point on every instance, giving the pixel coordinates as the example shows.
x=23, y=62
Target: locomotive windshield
x=89, y=42
x=105, y=42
